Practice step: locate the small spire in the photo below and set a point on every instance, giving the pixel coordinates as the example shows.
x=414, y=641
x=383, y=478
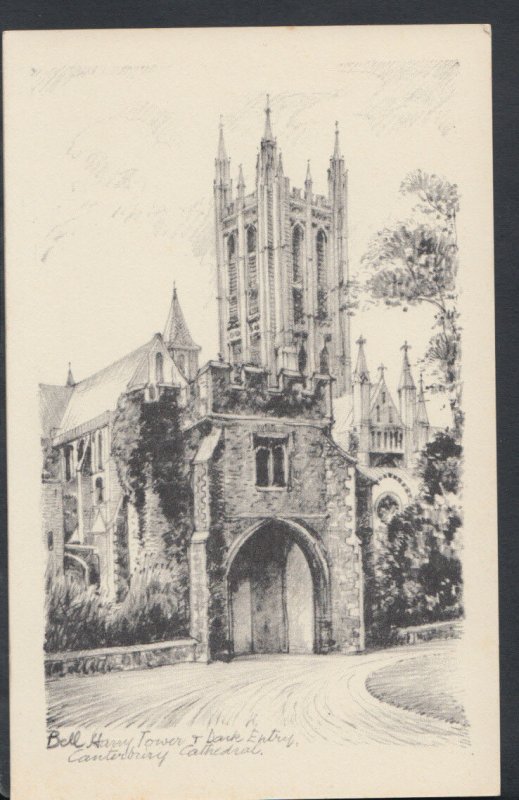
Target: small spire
x=421, y=415
x=406, y=379
x=241, y=181
x=308, y=178
x=337, y=149
x=222, y=154
x=70, y=377
x=381, y=370
x=361, y=373
x=176, y=332
x=268, y=136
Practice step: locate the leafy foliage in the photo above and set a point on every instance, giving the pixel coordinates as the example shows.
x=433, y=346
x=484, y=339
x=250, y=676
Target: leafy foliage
x=411, y=264
x=416, y=262
x=416, y=582
x=418, y=573
x=79, y=619
x=148, y=447
x=51, y=460
x=439, y=467
x=436, y=194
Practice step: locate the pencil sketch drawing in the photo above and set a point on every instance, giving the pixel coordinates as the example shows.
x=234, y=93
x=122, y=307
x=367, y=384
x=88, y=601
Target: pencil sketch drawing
x=278, y=528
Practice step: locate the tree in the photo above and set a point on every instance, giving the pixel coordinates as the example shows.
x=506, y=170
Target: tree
x=416, y=262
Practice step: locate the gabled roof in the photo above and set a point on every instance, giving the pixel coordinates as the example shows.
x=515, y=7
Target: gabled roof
x=389, y=403
x=53, y=401
x=176, y=332
x=100, y=392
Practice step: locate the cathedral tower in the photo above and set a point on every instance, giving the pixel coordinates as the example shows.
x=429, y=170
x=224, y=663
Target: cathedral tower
x=282, y=268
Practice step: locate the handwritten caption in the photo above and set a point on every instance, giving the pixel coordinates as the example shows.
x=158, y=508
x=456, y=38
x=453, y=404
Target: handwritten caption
x=84, y=748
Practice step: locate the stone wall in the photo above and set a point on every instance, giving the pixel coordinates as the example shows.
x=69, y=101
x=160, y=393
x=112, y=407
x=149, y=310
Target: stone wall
x=52, y=521
x=344, y=553
x=117, y=659
x=318, y=509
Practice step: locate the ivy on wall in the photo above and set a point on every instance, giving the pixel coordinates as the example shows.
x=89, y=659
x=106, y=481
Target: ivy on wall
x=149, y=452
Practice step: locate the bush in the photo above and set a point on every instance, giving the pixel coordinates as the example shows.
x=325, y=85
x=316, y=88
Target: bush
x=75, y=615
x=415, y=582
x=78, y=617
x=152, y=610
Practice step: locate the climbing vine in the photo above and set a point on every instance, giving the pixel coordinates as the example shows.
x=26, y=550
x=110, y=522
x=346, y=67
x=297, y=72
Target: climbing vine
x=149, y=452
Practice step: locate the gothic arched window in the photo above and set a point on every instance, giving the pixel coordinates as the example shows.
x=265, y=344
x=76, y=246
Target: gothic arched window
x=159, y=368
x=324, y=361
x=68, y=462
x=99, y=450
x=181, y=363
x=377, y=411
x=252, y=275
x=251, y=239
x=322, y=283
x=99, y=490
x=302, y=359
x=297, y=274
x=233, y=280
x=262, y=466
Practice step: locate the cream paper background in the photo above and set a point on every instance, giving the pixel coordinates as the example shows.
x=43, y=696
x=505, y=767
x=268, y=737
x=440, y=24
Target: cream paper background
x=86, y=282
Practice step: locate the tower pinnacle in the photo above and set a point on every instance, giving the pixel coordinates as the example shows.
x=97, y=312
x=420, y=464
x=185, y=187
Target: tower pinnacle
x=222, y=154
x=337, y=149
x=361, y=370
x=241, y=181
x=280, y=164
x=421, y=409
x=268, y=136
x=70, y=377
x=406, y=379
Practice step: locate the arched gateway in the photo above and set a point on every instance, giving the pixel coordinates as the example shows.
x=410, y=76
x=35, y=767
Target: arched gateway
x=278, y=590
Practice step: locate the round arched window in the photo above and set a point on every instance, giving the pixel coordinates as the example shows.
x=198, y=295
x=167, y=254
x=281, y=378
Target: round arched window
x=387, y=507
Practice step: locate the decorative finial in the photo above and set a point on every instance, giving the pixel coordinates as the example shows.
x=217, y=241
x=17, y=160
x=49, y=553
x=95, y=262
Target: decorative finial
x=222, y=154
x=241, y=181
x=308, y=178
x=361, y=341
x=70, y=377
x=337, y=149
x=280, y=164
x=268, y=129
x=405, y=347
x=421, y=382
x=381, y=369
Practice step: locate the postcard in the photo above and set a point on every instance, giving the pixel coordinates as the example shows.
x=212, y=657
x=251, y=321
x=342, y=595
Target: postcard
x=251, y=417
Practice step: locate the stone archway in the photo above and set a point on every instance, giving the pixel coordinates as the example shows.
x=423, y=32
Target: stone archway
x=278, y=591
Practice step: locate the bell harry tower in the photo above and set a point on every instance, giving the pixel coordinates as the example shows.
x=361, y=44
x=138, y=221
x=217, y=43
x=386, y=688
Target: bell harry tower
x=282, y=268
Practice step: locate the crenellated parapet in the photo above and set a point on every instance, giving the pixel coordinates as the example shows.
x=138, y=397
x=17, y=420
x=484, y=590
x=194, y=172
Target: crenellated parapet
x=225, y=389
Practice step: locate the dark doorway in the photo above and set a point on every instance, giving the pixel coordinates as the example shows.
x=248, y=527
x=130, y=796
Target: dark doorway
x=272, y=595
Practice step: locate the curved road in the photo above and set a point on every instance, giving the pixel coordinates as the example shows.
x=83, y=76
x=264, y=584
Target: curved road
x=316, y=697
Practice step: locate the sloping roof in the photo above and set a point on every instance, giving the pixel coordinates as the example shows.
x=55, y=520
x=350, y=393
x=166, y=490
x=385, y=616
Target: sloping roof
x=207, y=446
x=100, y=391
x=176, y=332
x=53, y=400
x=389, y=403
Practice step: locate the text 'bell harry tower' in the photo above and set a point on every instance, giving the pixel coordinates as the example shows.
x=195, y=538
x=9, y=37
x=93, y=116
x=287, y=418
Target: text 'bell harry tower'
x=282, y=268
